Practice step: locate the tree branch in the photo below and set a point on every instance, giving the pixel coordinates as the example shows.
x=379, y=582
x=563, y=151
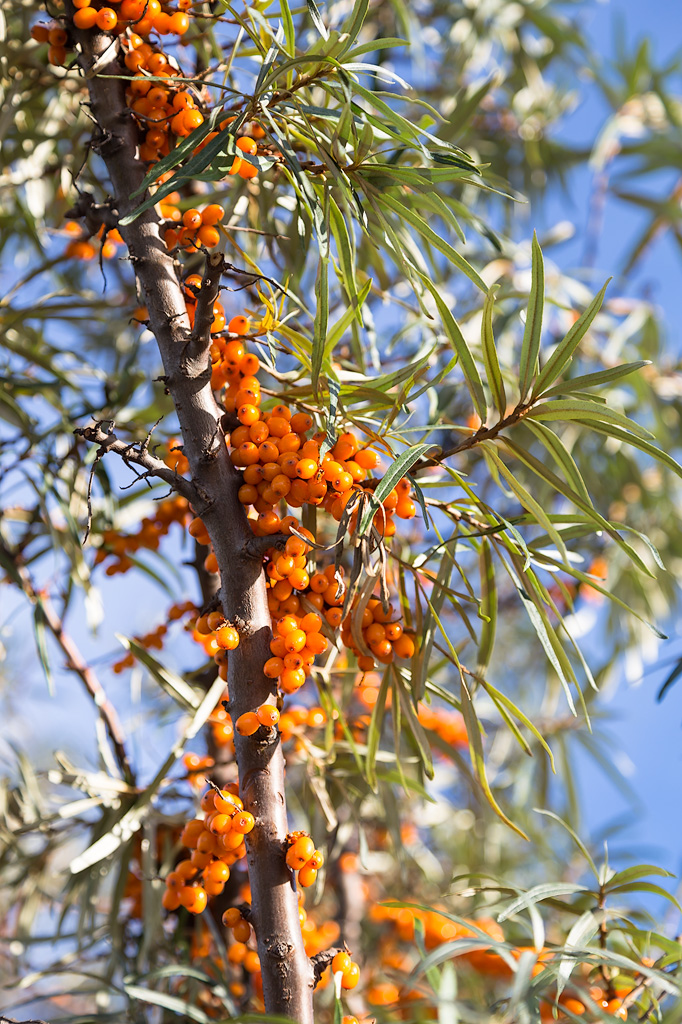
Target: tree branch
x=286, y=970
x=137, y=453
x=77, y=664
x=200, y=339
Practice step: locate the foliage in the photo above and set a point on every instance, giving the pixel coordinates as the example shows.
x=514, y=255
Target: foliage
x=381, y=253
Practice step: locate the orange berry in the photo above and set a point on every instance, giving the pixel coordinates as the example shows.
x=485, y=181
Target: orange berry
x=242, y=931
x=267, y=715
x=243, y=822
x=85, y=18
x=207, y=235
x=194, y=898
x=247, y=724
x=191, y=119
x=211, y=214
x=57, y=37
x=227, y=637
x=300, y=852
x=307, y=876
x=292, y=679
x=40, y=33
x=246, y=145
x=404, y=647
x=248, y=414
x=178, y=23
x=107, y=19
x=341, y=963
x=350, y=977
x=273, y=668
x=366, y=459
x=231, y=917
x=170, y=899
x=238, y=325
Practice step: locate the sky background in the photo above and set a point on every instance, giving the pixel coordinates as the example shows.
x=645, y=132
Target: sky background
x=648, y=734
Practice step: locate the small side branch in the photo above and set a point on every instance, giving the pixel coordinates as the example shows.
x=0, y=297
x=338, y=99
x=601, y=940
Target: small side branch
x=322, y=960
x=76, y=663
x=200, y=338
x=138, y=454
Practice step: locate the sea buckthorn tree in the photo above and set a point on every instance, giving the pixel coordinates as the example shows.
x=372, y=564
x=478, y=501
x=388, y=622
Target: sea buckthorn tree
x=295, y=412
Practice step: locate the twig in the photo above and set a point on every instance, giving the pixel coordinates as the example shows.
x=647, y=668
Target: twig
x=138, y=454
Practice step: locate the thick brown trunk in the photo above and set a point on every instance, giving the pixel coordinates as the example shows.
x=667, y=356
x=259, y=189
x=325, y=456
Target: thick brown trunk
x=287, y=971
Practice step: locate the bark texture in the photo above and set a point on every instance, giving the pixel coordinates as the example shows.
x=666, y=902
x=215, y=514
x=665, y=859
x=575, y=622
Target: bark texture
x=287, y=971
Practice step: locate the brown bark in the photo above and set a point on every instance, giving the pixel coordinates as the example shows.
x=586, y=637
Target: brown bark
x=287, y=971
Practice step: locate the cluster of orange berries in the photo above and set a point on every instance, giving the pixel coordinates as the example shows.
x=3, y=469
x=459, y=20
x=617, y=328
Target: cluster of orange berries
x=350, y=972
x=280, y=462
x=266, y=716
x=216, y=843
x=383, y=636
x=195, y=228
x=144, y=15
x=303, y=857
x=238, y=952
x=120, y=546
x=81, y=248
x=448, y=725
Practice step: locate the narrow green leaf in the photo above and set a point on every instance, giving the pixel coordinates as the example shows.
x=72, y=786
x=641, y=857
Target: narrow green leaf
x=393, y=474
x=173, y=684
x=492, y=366
x=611, y=430
x=547, y=890
x=320, y=321
x=578, y=842
x=317, y=20
x=569, y=409
x=635, y=872
x=501, y=698
x=565, y=349
x=592, y=380
x=352, y=27
x=374, y=731
x=402, y=693
x=561, y=456
x=488, y=609
x=427, y=232
x=543, y=629
x=459, y=345
x=657, y=890
x=288, y=24
x=39, y=628
x=530, y=347
x=524, y=496
x=477, y=758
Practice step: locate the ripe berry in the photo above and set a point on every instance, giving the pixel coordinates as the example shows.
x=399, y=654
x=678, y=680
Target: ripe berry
x=268, y=715
x=227, y=637
x=300, y=852
x=243, y=822
x=242, y=931
x=341, y=963
x=307, y=876
x=247, y=724
x=107, y=19
x=351, y=977
x=231, y=916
